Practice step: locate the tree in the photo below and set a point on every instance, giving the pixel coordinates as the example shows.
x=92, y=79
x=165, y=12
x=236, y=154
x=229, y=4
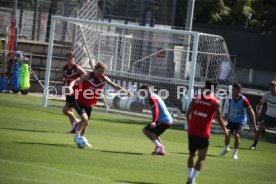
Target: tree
x=207, y=11
x=240, y=12
x=264, y=15
x=210, y=11
x=259, y=14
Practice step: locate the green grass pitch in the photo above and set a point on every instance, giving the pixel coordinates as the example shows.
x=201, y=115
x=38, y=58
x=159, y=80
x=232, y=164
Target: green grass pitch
x=35, y=148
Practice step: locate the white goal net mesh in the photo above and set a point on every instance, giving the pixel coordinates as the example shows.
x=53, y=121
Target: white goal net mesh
x=137, y=55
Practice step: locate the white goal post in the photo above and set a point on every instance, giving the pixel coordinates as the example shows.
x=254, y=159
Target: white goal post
x=135, y=55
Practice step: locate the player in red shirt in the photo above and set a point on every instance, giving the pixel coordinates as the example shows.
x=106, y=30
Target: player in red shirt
x=92, y=88
x=199, y=116
x=71, y=71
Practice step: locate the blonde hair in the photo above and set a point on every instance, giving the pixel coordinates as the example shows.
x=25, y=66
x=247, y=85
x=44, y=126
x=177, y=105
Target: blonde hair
x=100, y=65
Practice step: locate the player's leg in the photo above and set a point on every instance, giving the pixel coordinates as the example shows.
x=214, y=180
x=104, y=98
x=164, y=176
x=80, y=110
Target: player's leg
x=268, y=122
x=149, y=133
x=82, y=124
x=84, y=113
x=72, y=118
x=236, y=145
x=192, y=145
x=227, y=139
x=258, y=134
x=88, y=111
x=154, y=135
x=202, y=145
x=68, y=111
x=238, y=129
x=201, y=158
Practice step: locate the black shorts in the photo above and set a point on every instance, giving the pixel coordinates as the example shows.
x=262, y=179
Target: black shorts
x=158, y=129
x=70, y=100
x=81, y=109
x=197, y=143
x=235, y=127
x=269, y=121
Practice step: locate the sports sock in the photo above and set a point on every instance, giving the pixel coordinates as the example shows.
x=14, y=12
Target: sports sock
x=190, y=172
x=255, y=143
x=157, y=143
x=226, y=147
x=74, y=124
x=78, y=133
x=194, y=174
x=235, y=151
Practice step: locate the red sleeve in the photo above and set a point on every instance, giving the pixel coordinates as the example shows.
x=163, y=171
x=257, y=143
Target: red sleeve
x=153, y=102
x=246, y=103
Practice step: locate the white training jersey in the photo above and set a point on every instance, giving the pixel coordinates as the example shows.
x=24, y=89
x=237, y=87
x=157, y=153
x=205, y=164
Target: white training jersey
x=271, y=104
x=224, y=70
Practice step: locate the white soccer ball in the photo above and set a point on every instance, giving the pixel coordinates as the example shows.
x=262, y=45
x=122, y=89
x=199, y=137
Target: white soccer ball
x=81, y=142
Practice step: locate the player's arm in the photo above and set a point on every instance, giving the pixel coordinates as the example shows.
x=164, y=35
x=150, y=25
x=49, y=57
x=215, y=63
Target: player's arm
x=259, y=107
x=116, y=86
x=155, y=110
x=252, y=117
x=78, y=81
x=250, y=112
x=62, y=78
x=228, y=110
x=80, y=70
x=189, y=111
x=217, y=107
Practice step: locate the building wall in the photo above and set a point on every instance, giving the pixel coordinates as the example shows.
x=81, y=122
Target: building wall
x=255, y=53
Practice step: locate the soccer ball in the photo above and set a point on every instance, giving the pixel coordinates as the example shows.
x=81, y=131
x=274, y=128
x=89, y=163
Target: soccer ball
x=81, y=142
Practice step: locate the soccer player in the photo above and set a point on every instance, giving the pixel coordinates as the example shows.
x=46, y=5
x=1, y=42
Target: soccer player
x=270, y=115
x=71, y=71
x=161, y=119
x=199, y=116
x=239, y=106
x=92, y=88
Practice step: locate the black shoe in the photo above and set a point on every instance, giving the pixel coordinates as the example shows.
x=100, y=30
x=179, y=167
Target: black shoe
x=74, y=128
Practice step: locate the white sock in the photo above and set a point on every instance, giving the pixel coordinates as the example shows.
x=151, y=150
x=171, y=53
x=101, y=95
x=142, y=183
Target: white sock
x=190, y=172
x=226, y=147
x=157, y=143
x=235, y=151
x=194, y=174
x=78, y=133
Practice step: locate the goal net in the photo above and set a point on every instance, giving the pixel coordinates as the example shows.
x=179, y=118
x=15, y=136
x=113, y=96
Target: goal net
x=171, y=61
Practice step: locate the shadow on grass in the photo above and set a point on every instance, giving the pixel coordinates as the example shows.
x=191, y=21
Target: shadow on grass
x=186, y=153
x=135, y=182
x=27, y=130
x=120, y=152
x=137, y=122
x=240, y=148
x=74, y=147
x=31, y=107
x=266, y=137
x=46, y=144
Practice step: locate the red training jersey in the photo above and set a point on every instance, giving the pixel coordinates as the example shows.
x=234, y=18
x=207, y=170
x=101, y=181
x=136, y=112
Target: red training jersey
x=202, y=115
x=70, y=74
x=91, y=90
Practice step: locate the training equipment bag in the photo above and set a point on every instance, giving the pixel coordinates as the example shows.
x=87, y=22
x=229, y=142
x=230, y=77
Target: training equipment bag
x=24, y=77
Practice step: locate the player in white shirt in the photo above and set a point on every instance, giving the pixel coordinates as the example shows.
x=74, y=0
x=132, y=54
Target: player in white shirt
x=270, y=114
x=225, y=69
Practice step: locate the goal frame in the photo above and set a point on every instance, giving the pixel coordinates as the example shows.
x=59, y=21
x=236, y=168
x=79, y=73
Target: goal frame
x=194, y=51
